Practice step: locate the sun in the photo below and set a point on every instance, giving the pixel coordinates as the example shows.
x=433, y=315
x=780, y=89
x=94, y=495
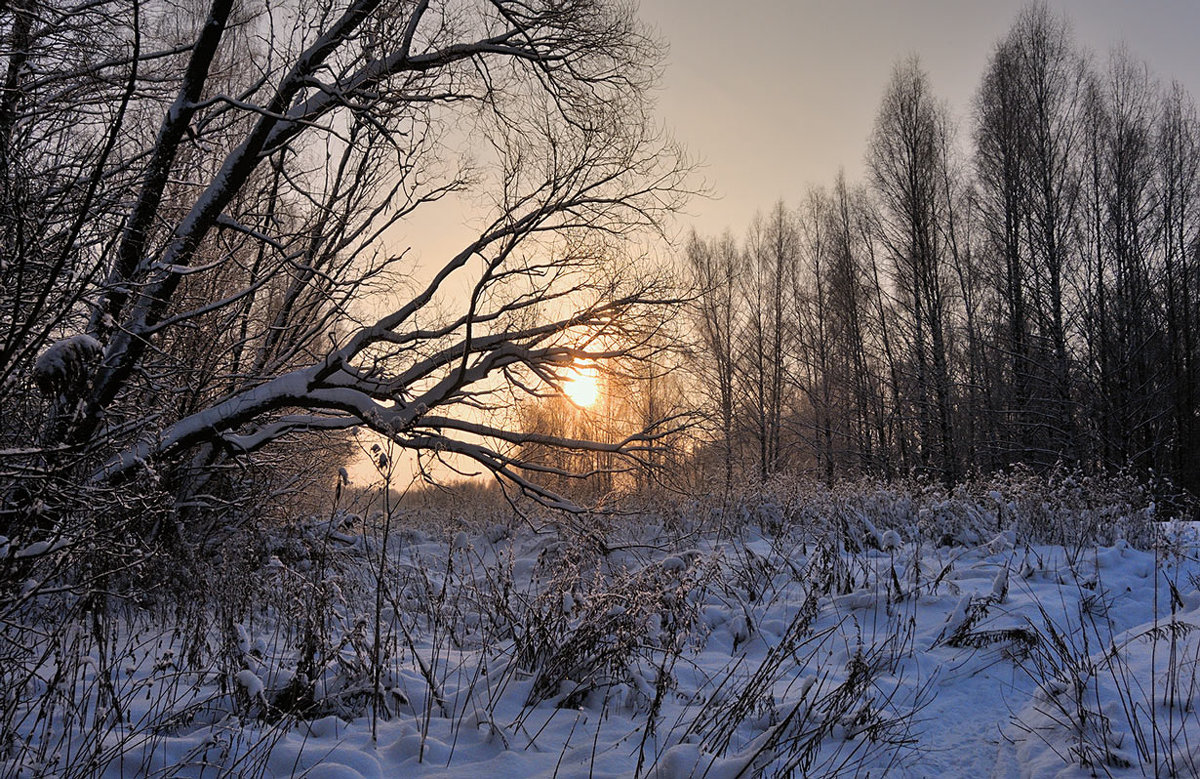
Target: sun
x=582, y=385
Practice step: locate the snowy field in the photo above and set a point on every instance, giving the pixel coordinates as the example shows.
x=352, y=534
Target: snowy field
x=877, y=633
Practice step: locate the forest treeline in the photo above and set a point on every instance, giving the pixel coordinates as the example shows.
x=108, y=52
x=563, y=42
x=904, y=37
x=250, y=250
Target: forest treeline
x=1021, y=289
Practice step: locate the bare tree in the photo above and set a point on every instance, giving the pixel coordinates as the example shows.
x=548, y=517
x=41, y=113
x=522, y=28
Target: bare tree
x=286, y=145
x=772, y=251
x=1125, y=334
x=854, y=365
x=907, y=163
x=811, y=342
x=714, y=269
x=1178, y=162
x=1030, y=157
x=999, y=166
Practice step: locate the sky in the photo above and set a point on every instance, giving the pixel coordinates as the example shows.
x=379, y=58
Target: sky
x=773, y=96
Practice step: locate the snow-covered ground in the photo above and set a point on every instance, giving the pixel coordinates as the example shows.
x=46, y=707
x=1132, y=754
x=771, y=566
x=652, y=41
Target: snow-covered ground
x=660, y=647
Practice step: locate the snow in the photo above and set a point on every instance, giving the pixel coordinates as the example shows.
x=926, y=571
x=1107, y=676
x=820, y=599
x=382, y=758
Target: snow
x=37, y=548
x=63, y=363
x=696, y=651
x=60, y=355
x=251, y=684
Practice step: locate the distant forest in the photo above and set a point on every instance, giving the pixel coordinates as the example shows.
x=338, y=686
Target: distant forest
x=1021, y=289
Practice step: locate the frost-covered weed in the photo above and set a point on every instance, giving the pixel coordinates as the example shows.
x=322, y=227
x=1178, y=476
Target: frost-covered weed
x=780, y=630
x=1065, y=508
x=1115, y=705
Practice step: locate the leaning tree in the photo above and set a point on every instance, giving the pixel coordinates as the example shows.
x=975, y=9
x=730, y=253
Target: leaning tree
x=206, y=220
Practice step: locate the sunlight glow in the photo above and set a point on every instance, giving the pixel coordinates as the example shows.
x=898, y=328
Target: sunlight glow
x=582, y=386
